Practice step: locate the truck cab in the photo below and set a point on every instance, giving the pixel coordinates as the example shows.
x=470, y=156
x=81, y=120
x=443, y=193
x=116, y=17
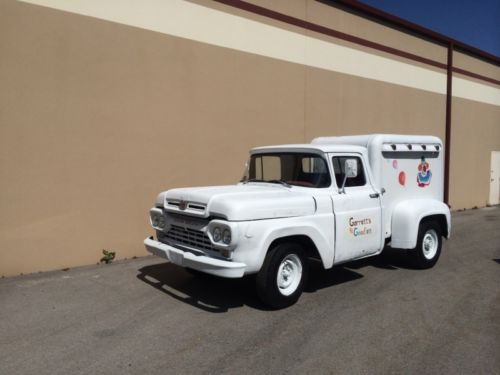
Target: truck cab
x=337, y=199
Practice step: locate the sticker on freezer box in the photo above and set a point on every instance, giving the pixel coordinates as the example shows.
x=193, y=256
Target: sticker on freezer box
x=424, y=173
x=402, y=178
x=360, y=227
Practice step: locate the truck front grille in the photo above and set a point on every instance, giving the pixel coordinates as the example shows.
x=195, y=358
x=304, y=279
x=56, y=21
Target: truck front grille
x=190, y=237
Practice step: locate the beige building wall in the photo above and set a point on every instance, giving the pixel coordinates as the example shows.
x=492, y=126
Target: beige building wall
x=97, y=117
x=476, y=133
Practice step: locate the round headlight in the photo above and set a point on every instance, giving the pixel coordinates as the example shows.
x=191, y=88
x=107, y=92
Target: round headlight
x=216, y=234
x=161, y=222
x=226, y=236
x=154, y=220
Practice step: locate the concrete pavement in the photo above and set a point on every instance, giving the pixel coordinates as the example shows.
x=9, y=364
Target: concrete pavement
x=378, y=315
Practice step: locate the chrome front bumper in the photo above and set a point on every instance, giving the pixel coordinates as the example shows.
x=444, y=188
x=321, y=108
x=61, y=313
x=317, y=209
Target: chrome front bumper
x=201, y=263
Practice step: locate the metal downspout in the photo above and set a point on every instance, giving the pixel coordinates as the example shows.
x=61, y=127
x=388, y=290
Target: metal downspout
x=447, y=140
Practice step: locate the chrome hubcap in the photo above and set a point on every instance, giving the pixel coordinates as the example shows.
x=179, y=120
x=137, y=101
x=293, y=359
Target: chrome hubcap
x=289, y=274
x=430, y=244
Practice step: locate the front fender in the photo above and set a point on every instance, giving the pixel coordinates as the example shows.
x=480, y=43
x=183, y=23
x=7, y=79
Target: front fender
x=259, y=236
x=406, y=218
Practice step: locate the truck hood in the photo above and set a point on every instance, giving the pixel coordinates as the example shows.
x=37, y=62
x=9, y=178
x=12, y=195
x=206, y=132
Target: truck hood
x=252, y=201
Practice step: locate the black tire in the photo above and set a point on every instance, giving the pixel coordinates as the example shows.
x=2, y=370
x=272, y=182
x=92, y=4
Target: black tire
x=429, y=243
x=267, y=279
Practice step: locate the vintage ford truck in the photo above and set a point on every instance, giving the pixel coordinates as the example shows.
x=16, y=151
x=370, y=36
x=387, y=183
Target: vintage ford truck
x=337, y=199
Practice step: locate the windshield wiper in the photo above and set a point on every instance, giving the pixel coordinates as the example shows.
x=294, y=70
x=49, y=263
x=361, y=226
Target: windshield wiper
x=284, y=183
x=252, y=180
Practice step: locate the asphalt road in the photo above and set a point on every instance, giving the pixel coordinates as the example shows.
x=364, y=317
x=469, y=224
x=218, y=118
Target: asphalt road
x=378, y=315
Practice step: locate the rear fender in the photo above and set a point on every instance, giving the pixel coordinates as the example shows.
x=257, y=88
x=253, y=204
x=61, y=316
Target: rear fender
x=406, y=218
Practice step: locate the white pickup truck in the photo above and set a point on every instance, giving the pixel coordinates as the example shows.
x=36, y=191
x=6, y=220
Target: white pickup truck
x=337, y=199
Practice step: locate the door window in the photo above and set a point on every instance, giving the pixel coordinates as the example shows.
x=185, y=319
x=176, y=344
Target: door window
x=339, y=172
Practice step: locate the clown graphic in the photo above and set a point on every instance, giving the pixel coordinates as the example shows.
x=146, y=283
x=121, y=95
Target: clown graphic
x=424, y=173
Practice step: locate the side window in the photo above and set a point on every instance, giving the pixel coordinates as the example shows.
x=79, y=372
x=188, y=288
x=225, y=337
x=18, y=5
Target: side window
x=338, y=170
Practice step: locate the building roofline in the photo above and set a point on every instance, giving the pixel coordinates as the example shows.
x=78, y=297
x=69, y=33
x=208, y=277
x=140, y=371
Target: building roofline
x=367, y=10
x=446, y=42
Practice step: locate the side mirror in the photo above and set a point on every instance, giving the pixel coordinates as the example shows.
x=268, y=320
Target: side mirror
x=351, y=168
x=350, y=171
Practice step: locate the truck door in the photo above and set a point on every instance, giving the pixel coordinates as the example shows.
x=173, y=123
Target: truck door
x=357, y=211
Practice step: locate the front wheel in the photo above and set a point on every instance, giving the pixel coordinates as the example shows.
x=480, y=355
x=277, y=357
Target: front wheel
x=429, y=242
x=281, y=280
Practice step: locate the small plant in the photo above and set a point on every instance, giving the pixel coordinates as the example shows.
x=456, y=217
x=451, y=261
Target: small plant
x=108, y=256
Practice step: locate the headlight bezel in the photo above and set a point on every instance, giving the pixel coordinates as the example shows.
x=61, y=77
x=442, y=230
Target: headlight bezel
x=223, y=226
x=157, y=219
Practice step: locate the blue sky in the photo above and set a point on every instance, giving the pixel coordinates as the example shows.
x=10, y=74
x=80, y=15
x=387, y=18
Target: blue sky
x=476, y=23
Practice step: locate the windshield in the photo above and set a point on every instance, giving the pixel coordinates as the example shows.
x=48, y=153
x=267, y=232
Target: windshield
x=299, y=169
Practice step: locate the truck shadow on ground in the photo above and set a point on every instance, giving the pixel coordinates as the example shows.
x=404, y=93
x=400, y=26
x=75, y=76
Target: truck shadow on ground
x=217, y=295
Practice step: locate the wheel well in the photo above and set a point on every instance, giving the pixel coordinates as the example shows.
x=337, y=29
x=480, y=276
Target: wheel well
x=441, y=220
x=305, y=242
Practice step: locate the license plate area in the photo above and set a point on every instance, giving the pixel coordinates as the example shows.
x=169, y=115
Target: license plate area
x=176, y=258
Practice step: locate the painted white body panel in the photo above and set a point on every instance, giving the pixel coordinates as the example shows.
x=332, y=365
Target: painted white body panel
x=387, y=171
x=250, y=201
x=357, y=215
x=342, y=226
x=260, y=234
x=407, y=216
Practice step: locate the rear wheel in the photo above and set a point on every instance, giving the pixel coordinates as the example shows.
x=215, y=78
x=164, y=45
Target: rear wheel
x=281, y=280
x=429, y=243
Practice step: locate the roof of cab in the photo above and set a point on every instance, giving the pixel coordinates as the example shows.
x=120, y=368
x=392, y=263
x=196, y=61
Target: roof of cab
x=307, y=147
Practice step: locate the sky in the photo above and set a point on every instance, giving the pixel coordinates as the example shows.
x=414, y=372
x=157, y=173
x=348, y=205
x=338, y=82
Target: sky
x=476, y=23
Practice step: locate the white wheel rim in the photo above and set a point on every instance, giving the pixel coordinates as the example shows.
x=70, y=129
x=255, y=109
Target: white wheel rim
x=430, y=244
x=289, y=274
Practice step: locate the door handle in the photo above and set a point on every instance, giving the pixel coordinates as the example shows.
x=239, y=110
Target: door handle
x=374, y=195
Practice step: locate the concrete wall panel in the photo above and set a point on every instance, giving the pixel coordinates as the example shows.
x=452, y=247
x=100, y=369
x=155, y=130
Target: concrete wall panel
x=475, y=133
x=97, y=117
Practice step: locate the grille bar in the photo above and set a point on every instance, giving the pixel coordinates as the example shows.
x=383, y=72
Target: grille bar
x=190, y=237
